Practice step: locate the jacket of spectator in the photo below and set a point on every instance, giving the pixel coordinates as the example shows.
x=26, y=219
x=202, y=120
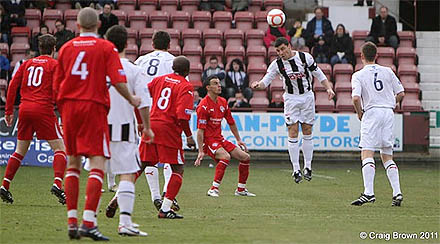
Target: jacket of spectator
x=63, y=36
x=5, y=26
x=16, y=10
x=321, y=51
x=390, y=25
x=342, y=44
x=4, y=67
x=107, y=20
x=273, y=33
x=327, y=30
x=34, y=44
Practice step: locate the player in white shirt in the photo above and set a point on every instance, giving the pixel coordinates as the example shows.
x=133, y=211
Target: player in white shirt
x=375, y=92
x=158, y=63
x=296, y=70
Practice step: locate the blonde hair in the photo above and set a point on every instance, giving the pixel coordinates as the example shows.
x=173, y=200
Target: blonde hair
x=87, y=18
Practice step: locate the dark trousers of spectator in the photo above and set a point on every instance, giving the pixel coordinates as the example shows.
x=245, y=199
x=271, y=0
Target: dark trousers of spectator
x=19, y=21
x=240, y=5
x=247, y=92
x=207, y=6
x=392, y=41
x=321, y=59
x=336, y=60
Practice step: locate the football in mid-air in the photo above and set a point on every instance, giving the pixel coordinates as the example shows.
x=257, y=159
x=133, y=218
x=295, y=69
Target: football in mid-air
x=276, y=18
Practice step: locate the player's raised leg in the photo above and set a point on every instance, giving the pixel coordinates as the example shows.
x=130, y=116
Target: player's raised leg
x=393, y=175
x=368, y=172
x=293, y=148
x=59, y=167
x=243, y=171
x=307, y=148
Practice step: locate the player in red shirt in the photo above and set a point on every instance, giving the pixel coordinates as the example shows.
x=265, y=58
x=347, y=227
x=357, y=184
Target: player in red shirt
x=170, y=114
x=210, y=113
x=82, y=95
x=36, y=114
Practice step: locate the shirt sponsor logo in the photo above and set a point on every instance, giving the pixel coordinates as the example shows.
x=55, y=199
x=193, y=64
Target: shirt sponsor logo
x=202, y=121
x=171, y=80
x=222, y=109
x=84, y=43
x=295, y=76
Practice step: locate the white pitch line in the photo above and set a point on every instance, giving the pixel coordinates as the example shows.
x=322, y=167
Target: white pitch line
x=315, y=175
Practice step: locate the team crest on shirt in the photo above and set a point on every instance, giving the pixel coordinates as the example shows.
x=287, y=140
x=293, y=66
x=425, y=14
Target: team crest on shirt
x=222, y=109
x=214, y=144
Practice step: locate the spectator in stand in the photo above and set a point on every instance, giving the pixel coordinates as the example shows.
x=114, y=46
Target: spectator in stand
x=296, y=34
x=321, y=51
x=240, y=5
x=215, y=69
x=5, y=26
x=318, y=26
x=341, y=47
x=16, y=10
x=62, y=35
x=238, y=101
x=217, y=5
x=107, y=19
x=237, y=80
x=3, y=86
x=34, y=44
x=384, y=30
x=277, y=101
x=102, y=3
x=197, y=99
x=4, y=67
x=361, y=3
x=273, y=33
x=79, y=4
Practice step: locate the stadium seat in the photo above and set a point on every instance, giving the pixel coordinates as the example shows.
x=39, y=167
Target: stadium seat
x=180, y=20
x=211, y=50
x=212, y=37
x=175, y=50
x=343, y=85
x=272, y=54
x=410, y=87
x=406, y=55
x=255, y=6
x=277, y=96
x=344, y=102
x=33, y=18
x=385, y=55
x=244, y=20
x=256, y=71
x=359, y=37
x=222, y=20
x=20, y=34
x=322, y=103
x=132, y=35
x=234, y=37
x=259, y=93
x=145, y=48
x=193, y=53
x=70, y=18
x=357, y=54
x=259, y=103
x=201, y=20
x=271, y=4
x=137, y=19
x=122, y=16
x=408, y=73
x=195, y=73
x=406, y=38
x=147, y=5
x=175, y=36
x=411, y=103
x=261, y=20
x=159, y=19
x=358, y=67
x=256, y=54
x=131, y=52
x=189, y=5
x=191, y=37
x=276, y=85
x=327, y=70
x=4, y=49
x=18, y=51
x=146, y=35
x=254, y=37
x=63, y=5
x=50, y=16
x=342, y=72
x=233, y=52
x=169, y=6
x=128, y=5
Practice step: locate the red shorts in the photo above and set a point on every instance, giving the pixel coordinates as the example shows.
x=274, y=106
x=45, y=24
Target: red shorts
x=155, y=153
x=45, y=124
x=212, y=145
x=85, y=128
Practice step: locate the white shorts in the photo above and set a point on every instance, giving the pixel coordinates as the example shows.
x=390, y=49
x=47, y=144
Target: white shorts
x=299, y=108
x=377, y=130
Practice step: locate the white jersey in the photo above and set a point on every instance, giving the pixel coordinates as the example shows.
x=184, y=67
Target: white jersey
x=121, y=117
x=156, y=63
x=296, y=77
x=377, y=86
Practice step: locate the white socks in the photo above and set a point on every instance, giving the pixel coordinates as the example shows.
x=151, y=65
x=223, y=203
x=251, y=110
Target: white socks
x=166, y=205
x=293, y=147
x=368, y=171
x=126, y=202
x=152, y=175
x=167, y=171
x=393, y=176
x=307, y=148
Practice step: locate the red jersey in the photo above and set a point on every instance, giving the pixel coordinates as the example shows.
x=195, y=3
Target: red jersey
x=35, y=79
x=173, y=99
x=83, y=64
x=210, y=115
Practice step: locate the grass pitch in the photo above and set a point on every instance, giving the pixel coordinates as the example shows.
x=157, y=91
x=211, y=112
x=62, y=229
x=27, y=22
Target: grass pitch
x=283, y=212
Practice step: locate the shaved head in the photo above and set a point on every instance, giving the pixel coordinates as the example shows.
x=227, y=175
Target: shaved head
x=87, y=18
x=181, y=65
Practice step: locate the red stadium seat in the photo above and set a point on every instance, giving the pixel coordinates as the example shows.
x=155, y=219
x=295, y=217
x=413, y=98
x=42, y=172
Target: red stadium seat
x=147, y=5
x=233, y=52
x=175, y=50
x=256, y=54
x=193, y=53
x=137, y=19
x=234, y=37
x=259, y=93
x=50, y=16
x=385, y=55
x=145, y=48
x=122, y=16
x=4, y=49
x=357, y=54
x=259, y=103
x=408, y=73
x=261, y=20
x=342, y=72
x=127, y=5
x=20, y=34
x=180, y=20
x=256, y=71
x=63, y=5
x=132, y=35
x=175, y=36
x=271, y=4
x=327, y=70
x=411, y=103
x=212, y=37
x=344, y=102
x=359, y=37
x=222, y=20
x=169, y=6
x=406, y=55
x=70, y=18
x=276, y=85
x=191, y=37
x=146, y=35
x=322, y=103
x=195, y=73
x=255, y=6
x=18, y=51
x=159, y=19
x=201, y=20
x=211, y=50
x=254, y=37
x=406, y=38
x=343, y=86
x=244, y=20
x=189, y=5
x=272, y=53
x=131, y=52
x=276, y=95
x=33, y=18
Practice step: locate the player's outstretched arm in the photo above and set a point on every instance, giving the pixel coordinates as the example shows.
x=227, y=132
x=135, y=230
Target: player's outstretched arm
x=399, y=97
x=236, y=134
x=329, y=89
x=123, y=90
x=357, y=106
x=200, y=138
x=258, y=85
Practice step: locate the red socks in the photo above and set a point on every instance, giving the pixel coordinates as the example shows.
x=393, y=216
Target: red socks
x=71, y=185
x=243, y=173
x=220, y=172
x=59, y=166
x=12, y=167
x=174, y=186
x=93, y=194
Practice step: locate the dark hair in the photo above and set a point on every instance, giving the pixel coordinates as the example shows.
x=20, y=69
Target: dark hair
x=44, y=26
x=237, y=61
x=161, y=40
x=319, y=7
x=207, y=81
x=281, y=40
x=61, y=21
x=341, y=25
x=213, y=58
x=117, y=34
x=369, y=51
x=46, y=43
x=109, y=4
x=385, y=7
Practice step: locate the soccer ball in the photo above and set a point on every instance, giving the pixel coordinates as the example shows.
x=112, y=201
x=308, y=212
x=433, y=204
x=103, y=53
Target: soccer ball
x=276, y=18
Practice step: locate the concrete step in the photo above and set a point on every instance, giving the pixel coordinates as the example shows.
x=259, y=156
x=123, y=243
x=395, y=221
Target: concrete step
x=428, y=68
x=425, y=86
x=431, y=105
x=431, y=95
x=434, y=132
x=429, y=60
x=424, y=42
x=428, y=34
x=430, y=77
x=434, y=140
x=427, y=51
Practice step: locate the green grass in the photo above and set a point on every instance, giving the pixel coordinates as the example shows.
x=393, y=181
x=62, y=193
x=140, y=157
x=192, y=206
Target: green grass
x=283, y=212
